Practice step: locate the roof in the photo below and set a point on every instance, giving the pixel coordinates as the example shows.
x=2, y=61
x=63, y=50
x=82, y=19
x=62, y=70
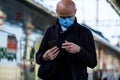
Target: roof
x=115, y=4
x=100, y=38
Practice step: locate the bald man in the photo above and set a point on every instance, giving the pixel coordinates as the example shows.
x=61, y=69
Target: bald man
x=67, y=48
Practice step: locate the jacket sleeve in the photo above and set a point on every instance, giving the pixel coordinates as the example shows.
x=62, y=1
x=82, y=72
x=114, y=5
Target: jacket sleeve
x=43, y=48
x=87, y=54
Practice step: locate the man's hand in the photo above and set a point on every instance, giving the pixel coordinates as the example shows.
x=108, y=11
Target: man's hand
x=51, y=54
x=71, y=47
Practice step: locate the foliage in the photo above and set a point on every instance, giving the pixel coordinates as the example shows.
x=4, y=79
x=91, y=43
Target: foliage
x=8, y=56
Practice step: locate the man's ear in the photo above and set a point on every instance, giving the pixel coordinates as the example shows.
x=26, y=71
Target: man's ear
x=75, y=11
x=57, y=13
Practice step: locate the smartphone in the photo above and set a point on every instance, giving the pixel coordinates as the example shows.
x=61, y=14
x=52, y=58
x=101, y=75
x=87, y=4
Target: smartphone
x=52, y=43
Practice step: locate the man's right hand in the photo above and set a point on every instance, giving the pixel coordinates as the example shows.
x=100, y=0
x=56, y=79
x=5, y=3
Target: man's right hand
x=51, y=54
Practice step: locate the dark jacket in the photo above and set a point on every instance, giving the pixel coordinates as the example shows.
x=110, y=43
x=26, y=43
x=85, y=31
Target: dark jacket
x=78, y=62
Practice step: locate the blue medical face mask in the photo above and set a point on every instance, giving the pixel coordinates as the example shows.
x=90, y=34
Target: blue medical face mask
x=66, y=22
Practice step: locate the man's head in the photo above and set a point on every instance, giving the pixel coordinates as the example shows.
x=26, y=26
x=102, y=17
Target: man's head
x=66, y=8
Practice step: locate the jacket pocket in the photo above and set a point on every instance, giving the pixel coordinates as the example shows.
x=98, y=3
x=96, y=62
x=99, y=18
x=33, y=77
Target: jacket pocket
x=46, y=71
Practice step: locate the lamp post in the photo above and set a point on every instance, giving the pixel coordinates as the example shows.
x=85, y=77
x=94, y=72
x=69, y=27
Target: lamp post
x=28, y=31
x=97, y=13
